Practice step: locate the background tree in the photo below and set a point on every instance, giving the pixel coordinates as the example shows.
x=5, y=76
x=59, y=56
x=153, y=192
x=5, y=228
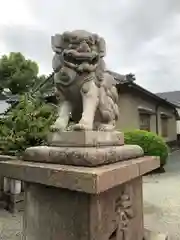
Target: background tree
x=17, y=73
x=26, y=125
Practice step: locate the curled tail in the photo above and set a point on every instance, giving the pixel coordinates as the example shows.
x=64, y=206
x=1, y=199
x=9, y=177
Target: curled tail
x=108, y=99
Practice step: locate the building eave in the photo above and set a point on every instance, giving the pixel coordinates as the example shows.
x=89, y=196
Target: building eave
x=150, y=94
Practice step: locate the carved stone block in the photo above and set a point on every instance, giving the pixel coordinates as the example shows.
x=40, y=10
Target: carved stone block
x=86, y=139
x=70, y=215
x=82, y=203
x=81, y=156
x=83, y=148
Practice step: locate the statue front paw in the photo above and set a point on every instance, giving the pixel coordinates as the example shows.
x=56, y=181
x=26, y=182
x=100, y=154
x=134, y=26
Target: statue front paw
x=81, y=127
x=106, y=127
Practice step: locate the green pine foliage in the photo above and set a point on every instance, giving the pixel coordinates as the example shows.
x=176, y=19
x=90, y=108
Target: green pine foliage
x=152, y=144
x=26, y=125
x=17, y=73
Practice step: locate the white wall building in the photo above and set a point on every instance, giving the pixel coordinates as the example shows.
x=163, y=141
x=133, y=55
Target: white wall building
x=173, y=97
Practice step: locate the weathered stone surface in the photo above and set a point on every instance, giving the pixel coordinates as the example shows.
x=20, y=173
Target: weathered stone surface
x=83, y=87
x=86, y=138
x=85, y=92
x=70, y=202
x=82, y=156
x=52, y=213
x=92, y=180
x=83, y=148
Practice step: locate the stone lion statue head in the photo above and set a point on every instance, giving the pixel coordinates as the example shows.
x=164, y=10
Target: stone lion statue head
x=79, y=50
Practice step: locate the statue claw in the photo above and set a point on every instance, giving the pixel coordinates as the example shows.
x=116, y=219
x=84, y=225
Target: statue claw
x=81, y=127
x=106, y=127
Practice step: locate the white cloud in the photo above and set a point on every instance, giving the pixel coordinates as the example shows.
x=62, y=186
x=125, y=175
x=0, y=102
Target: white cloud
x=15, y=12
x=157, y=65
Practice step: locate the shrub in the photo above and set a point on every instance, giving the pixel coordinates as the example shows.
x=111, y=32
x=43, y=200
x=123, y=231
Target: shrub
x=152, y=144
x=26, y=125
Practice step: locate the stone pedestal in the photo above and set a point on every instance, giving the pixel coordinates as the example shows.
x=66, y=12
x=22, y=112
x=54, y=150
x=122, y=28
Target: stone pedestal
x=83, y=148
x=79, y=203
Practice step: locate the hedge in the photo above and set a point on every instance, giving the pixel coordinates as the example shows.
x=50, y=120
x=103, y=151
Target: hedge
x=152, y=144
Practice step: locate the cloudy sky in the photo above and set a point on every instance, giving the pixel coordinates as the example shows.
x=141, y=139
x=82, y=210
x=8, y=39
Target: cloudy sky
x=142, y=36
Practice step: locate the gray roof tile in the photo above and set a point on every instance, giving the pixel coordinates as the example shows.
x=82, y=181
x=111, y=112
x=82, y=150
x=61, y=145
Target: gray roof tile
x=173, y=97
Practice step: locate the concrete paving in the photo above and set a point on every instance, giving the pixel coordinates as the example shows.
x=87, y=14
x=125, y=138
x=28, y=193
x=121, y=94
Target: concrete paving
x=161, y=205
x=162, y=199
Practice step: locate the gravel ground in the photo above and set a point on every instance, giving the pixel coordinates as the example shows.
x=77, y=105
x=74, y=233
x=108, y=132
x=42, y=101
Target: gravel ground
x=10, y=226
x=161, y=204
x=162, y=199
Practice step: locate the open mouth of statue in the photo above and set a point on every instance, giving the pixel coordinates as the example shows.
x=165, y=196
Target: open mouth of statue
x=77, y=58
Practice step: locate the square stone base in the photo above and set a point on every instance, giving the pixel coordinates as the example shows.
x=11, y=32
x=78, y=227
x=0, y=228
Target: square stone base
x=86, y=138
x=81, y=203
x=52, y=213
x=92, y=180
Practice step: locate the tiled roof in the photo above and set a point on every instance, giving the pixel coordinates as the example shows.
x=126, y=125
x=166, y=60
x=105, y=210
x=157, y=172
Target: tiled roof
x=173, y=97
x=121, y=79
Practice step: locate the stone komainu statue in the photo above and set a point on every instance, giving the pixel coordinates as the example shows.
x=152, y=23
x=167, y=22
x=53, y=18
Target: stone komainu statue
x=85, y=91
